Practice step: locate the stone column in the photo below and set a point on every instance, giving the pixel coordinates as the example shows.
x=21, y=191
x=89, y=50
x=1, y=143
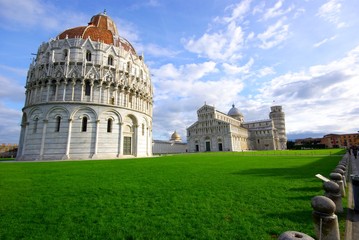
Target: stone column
x=25, y=138
x=56, y=89
x=108, y=94
x=91, y=90
x=27, y=97
x=48, y=91
x=64, y=92
x=100, y=93
x=325, y=221
x=96, y=138
x=135, y=140
x=43, y=139
x=68, y=144
x=115, y=90
x=120, y=134
x=73, y=81
x=82, y=91
x=35, y=93
x=41, y=89
x=30, y=95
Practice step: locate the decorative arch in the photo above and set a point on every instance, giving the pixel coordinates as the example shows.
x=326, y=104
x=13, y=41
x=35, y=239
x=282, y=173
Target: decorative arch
x=56, y=111
x=130, y=135
x=72, y=116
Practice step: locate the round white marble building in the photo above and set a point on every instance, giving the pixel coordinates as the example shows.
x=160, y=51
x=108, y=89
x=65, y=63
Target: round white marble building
x=88, y=95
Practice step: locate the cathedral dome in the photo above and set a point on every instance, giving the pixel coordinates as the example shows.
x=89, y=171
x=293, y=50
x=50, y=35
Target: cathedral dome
x=176, y=137
x=234, y=112
x=101, y=28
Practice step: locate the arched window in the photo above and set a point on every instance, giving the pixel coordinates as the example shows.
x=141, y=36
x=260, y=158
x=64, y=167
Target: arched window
x=84, y=124
x=110, y=60
x=87, y=88
x=65, y=54
x=58, y=123
x=88, y=56
x=109, y=125
x=36, y=121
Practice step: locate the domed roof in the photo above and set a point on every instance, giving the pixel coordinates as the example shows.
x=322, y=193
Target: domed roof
x=176, y=137
x=234, y=112
x=101, y=28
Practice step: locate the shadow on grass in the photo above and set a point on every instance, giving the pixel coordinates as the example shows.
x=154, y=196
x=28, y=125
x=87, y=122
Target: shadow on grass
x=322, y=166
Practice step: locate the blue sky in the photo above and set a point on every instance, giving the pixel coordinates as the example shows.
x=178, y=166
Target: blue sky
x=301, y=54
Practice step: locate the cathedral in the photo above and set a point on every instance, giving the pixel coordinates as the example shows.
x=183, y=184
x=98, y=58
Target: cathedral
x=217, y=131
x=89, y=95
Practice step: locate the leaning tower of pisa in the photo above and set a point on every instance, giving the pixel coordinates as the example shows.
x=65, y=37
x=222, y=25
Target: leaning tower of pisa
x=88, y=96
x=278, y=118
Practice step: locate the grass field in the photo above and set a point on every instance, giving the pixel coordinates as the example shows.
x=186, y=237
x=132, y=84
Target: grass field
x=191, y=196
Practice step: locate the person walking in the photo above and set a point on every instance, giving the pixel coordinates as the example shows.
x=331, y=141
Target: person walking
x=355, y=151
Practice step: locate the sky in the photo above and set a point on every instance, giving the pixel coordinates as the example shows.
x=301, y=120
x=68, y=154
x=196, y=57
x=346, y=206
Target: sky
x=300, y=54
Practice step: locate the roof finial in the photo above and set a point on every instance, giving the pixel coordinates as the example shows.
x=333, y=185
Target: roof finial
x=104, y=11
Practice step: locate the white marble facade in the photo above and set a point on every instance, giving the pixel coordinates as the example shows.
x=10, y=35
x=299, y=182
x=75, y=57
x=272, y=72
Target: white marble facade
x=88, y=96
x=217, y=131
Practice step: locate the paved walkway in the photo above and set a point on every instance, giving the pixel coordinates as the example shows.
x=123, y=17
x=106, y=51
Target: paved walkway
x=352, y=225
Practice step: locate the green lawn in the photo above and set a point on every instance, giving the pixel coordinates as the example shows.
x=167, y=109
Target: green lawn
x=191, y=196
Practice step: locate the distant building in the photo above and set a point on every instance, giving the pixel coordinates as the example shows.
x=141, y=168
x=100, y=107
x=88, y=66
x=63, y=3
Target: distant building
x=89, y=95
x=330, y=141
x=8, y=150
x=174, y=145
x=340, y=140
x=217, y=131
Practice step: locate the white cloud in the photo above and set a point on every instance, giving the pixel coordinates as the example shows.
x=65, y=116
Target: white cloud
x=238, y=11
x=222, y=45
x=276, y=11
x=274, y=35
x=265, y=71
x=330, y=11
x=259, y=8
x=181, y=90
x=319, y=98
x=320, y=43
x=226, y=43
x=233, y=69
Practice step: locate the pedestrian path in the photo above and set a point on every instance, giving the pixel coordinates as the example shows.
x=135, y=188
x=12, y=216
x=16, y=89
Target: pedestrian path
x=352, y=225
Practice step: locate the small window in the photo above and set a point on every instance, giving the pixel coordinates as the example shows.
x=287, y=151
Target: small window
x=84, y=124
x=109, y=125
x=88, y=56
x=53, y=89
x=87, y=89
x=58, y=124
x=110, y=60
x=65, y=54
x=143, y=129
x=36, y=121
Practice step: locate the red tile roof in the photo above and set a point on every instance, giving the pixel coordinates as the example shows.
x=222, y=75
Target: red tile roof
x=101, y=28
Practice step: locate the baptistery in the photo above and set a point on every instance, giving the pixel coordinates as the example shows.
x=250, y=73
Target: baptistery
x=88, y=96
